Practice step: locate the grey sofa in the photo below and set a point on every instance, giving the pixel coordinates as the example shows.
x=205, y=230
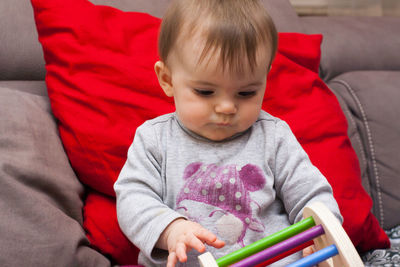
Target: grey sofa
x=41, y=198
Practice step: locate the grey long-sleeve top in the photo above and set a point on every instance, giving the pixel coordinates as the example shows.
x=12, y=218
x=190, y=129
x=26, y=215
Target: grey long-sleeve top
x=242, y=189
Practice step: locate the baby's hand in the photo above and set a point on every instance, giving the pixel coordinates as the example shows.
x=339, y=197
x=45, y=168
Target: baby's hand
x=181, y=236
x=308, y=251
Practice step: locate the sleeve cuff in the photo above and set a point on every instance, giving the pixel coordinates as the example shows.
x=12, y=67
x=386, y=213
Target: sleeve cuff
x=156, y=255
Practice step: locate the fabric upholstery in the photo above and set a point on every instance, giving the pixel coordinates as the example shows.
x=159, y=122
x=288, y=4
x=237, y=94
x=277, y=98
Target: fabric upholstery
x=356, y=43
x=154, y=7
x=283, y=15
x=375, y=110
x=356, y=142
x=40, y=196
x=21, y=56
x=282, y=12
x=32, y=87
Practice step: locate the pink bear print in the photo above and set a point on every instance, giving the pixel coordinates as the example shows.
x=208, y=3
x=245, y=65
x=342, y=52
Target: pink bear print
x=219, y=197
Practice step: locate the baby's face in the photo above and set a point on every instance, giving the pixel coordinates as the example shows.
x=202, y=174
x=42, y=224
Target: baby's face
x=212, y=101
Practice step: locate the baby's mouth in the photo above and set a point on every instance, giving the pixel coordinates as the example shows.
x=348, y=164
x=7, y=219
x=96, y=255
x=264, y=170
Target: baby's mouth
x=223, y=124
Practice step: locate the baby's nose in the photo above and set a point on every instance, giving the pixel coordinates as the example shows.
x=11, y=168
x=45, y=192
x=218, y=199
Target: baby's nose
x=226, y=107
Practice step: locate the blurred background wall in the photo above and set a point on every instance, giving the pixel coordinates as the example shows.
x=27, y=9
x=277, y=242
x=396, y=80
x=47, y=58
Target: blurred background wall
x=347, y=7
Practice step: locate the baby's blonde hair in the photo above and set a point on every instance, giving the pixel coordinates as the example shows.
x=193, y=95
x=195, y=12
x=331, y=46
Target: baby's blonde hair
x=234, y=28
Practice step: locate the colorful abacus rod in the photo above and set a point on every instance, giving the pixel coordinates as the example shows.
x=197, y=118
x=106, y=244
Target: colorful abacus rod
x=315, y=258
x=266, y=242
x=333, y=245
x=281, y=247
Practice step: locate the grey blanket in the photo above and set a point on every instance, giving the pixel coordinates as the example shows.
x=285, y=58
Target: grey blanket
x=385, y=257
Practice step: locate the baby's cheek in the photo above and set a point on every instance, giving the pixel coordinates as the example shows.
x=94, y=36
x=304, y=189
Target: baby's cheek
x=192, y=112
x=249, y=114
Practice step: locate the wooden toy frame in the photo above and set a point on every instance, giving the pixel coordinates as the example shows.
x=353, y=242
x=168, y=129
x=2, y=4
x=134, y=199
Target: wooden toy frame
x=333, y=247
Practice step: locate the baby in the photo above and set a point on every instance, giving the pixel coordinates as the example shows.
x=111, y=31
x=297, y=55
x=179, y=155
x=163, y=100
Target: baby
x=219, y=173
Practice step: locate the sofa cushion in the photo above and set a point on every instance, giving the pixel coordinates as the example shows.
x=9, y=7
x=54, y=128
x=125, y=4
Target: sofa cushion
x=373, y=100
x=283, y=15
x=154, y=7
x=356, y=43
x=32, y=87
x=281, y=11
x=21, y=56
x=102, y=85
x=40, y=196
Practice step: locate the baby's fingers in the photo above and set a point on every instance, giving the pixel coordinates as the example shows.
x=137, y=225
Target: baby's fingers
x=172, y=259
x=181, y=251
x=192, y=241
x=217, y=243
x=308, y=251
x=209, y=238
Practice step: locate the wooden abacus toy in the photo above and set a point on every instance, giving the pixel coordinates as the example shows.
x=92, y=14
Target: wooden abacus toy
x=333, y=247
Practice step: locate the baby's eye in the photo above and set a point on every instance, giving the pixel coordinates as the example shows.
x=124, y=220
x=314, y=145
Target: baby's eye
x=247, y=93
x=204, y=92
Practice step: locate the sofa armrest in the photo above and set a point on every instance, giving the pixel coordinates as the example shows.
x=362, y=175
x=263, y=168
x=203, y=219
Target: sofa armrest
x=371, y=101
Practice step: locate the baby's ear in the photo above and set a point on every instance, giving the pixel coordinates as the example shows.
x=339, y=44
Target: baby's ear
x=164, y=77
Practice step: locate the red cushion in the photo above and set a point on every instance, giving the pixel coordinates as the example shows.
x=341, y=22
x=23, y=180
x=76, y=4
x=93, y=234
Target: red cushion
x=101, y=84
x=100, y=220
